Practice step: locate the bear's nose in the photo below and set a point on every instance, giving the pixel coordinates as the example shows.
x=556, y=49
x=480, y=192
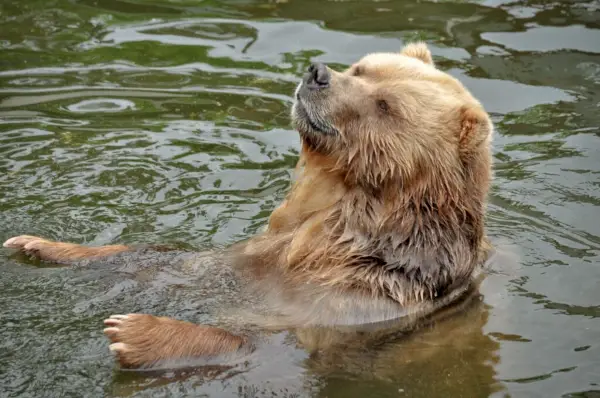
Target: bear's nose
x=319, y=76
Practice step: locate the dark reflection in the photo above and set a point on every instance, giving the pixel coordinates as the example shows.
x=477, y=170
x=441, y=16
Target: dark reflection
x=465, y=21
x=451, y=358
x=131, y=7
x=583, y=394
x=457, y=356
x=430, y=18
x=447, y=355
x=592, y=311
x=568, y=12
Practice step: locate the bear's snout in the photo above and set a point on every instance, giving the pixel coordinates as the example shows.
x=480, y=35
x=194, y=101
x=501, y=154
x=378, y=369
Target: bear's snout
x=318, y=76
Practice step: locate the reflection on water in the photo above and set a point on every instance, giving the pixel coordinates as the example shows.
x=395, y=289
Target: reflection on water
x=167, y=121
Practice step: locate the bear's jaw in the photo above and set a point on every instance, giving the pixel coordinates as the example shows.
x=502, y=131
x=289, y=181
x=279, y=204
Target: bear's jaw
x=307, y=121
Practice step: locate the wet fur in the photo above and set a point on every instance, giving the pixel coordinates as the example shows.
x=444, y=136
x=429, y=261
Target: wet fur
x=385, y=219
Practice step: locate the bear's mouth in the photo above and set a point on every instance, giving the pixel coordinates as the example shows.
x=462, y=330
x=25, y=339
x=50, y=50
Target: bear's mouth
x=314, y=124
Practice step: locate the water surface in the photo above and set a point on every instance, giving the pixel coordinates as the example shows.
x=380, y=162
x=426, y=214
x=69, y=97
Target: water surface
x=167, y=121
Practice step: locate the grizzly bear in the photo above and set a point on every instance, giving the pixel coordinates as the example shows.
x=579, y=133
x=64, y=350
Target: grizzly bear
x=385, y=221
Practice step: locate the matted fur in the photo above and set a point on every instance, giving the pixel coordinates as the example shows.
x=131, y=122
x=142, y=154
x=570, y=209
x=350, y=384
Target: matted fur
x=393, y=202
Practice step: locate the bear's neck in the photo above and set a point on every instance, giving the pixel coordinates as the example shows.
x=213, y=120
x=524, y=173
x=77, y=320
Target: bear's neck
x=390, y=243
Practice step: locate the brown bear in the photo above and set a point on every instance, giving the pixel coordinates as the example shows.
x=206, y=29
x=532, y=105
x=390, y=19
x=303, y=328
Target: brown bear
x=385, y=221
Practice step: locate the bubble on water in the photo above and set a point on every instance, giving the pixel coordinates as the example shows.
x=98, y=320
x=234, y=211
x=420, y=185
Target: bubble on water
x=102, y=105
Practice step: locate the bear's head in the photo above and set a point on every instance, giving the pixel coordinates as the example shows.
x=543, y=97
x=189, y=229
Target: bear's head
x=394, y=119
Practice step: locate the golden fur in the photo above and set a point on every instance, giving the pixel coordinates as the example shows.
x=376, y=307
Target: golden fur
x=386, y=216
x=394, y=204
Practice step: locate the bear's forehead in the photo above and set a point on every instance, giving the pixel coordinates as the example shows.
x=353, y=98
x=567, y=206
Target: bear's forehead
x=392, y=60
x=398, y=67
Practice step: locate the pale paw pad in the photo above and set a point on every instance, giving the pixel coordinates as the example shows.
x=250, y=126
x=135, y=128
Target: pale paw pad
x=22, y=241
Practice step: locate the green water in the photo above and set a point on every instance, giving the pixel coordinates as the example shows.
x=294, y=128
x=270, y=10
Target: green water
x=167, y=121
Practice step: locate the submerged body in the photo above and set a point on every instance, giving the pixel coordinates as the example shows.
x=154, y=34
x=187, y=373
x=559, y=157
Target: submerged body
x=383, y=228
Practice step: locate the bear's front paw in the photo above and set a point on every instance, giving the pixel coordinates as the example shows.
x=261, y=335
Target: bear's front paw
x=34, y=246
x=24, y=242
x=136, y=340
x=140, y=340
x=59, y=252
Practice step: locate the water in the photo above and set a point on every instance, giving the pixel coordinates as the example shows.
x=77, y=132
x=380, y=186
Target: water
x=167, y=121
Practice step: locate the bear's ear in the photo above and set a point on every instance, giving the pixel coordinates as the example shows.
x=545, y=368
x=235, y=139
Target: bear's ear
x=475, y=128
x=418, y=50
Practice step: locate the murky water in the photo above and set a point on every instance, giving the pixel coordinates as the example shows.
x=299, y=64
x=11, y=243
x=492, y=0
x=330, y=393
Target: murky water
x=167, y=121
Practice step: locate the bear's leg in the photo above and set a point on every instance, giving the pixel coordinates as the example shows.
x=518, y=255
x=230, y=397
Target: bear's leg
x=141, y=340
x=60, y=252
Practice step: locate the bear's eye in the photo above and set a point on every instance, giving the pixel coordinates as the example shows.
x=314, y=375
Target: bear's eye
x=357, y=71
x=383, y=105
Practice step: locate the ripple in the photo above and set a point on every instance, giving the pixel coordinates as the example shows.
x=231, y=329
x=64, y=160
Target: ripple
x=36, y=81
x=102, y=105
x=20, y=101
